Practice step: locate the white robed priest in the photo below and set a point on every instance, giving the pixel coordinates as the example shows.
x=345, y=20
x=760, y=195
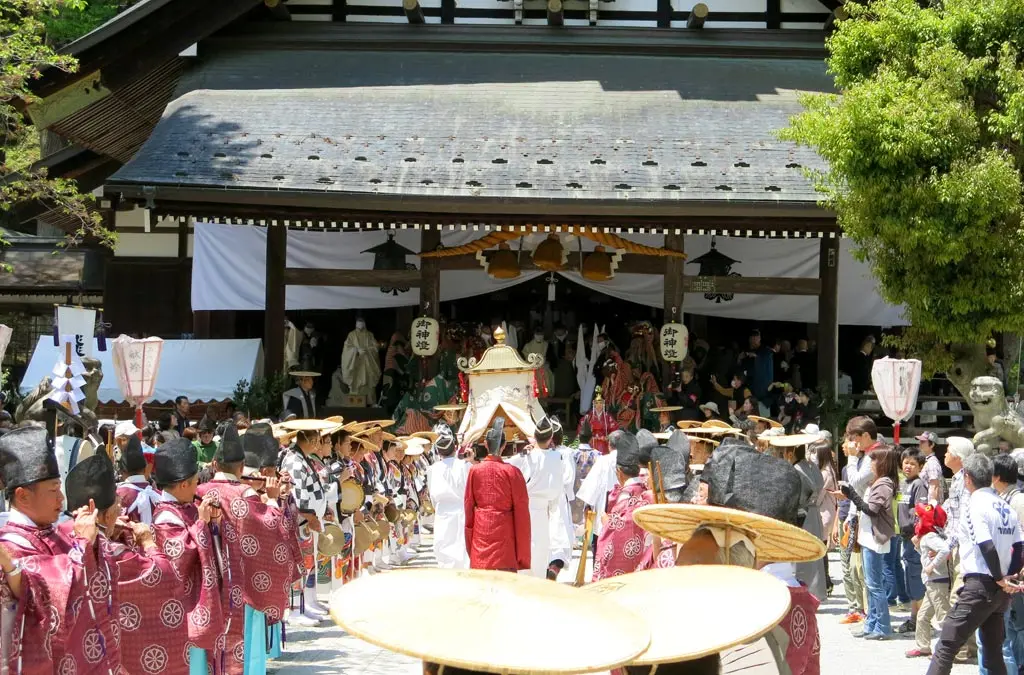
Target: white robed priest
x=542, y=468
x=446, y=485
x=562, y=531
x=360, y=364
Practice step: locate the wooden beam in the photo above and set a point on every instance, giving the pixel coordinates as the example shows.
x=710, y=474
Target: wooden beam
x=67, y=101
x=672, y=304
x=413, y=11
x=201, y=322
x=278, y=9
x=698, y=15
x=838, y=14
x=430, y=288
x=273, y=316
x=555, y=14
x=828, y=316
x=358, y=278
x=752, y=285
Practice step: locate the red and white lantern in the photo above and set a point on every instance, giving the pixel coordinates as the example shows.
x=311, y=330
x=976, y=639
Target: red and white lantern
x=896, y=383
x=137, y=364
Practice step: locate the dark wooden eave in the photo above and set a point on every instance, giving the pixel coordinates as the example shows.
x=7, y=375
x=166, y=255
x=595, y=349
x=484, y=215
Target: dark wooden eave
x=137, y=40
x=724, y=42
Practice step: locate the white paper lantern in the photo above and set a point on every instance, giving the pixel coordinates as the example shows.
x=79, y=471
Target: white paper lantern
x=674, y=341
x=896, y=383
x=137, y=364
x=425, y=336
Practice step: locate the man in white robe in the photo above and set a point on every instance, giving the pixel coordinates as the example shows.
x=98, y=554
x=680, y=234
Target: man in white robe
x=562, y=530
x=446, y=485
x=360, y=362
x=594, y=489
x=542, y=468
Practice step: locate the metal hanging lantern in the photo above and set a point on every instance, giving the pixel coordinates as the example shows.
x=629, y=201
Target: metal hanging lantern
x=503, y=263
x=597, y=266
x=550, y=256
x=714, y=263
x=391, y=256
x=896, y=383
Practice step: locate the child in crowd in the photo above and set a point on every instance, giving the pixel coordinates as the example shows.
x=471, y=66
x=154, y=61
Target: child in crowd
x=931, y=542
x=914, y=491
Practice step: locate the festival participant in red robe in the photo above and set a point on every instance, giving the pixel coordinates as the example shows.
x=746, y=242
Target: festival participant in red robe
x=59, y=624
x=145, y=592
x=252, y=536
x=623, y=545
x=602, y=424
x=497, y=510
x=183, y=533
x=136, y=496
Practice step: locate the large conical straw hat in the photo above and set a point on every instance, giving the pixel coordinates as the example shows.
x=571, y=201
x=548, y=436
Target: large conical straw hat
x=774, y=424
x=793, y=440
x=497, y=605
x=774, y=540
x=308, y=425
x=717, y=589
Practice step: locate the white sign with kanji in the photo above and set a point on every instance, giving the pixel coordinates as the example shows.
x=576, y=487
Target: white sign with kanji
x=674, y=341
x=424, y=336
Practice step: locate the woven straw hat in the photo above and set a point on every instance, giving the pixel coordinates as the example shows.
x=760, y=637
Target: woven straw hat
x=794, y=440
x=667, y=408
x=774, y=540
x=414, y=445
x=713, y=431
x=429, y=435
x=372, y=447
x=717, y=589
x=381, y=424
x=770, y=422
x=331, y=541
x=687, y=424
x=308, y=425
x=493, y=603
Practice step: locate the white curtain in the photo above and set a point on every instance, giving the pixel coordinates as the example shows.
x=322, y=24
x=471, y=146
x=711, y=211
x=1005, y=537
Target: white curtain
x=229, y=273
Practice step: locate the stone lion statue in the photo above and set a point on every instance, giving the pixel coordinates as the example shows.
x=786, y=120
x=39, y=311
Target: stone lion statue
x=31, y=407
x=993, y=417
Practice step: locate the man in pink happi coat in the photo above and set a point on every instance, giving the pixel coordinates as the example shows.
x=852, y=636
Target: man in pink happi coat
x=258, y=562
x=183, y=533
x=623, y=546
x=62, y=619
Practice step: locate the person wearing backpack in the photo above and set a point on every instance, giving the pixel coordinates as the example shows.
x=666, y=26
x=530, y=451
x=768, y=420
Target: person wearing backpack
x=931, y=542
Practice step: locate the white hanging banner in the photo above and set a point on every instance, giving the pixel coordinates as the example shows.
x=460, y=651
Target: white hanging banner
x=217, y=286
x=68, y=372
x=896, y=383
x=674, y=341
x=424, y=336
x=5, y=340
x=80, y=324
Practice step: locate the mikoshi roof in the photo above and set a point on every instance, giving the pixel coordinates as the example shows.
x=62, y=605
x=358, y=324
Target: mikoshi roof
x=774, y=540
x=717, y=589
x=434, y=602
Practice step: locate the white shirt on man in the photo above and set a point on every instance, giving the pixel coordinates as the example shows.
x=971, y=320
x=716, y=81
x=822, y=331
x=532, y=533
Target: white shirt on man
x=987, y=518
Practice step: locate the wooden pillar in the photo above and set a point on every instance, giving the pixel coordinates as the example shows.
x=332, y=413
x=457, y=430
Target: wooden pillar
x=273, y=317
x=430, y=287
x=828, y=316
x=201, y=324
x=674, y=290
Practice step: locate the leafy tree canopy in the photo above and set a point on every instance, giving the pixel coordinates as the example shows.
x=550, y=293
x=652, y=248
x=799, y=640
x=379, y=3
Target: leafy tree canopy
x=26, y=50
x=924, y=145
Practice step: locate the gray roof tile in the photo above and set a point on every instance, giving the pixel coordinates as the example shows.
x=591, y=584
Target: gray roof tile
x=515, y=126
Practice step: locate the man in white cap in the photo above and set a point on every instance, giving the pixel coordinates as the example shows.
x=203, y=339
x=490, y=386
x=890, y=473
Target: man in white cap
x=446, y=486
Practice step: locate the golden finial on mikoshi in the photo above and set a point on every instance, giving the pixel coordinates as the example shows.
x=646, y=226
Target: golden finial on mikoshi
x=499, y=335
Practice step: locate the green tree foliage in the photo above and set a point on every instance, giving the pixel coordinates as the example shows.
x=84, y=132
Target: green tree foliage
x=924, y=145
x=24, y=53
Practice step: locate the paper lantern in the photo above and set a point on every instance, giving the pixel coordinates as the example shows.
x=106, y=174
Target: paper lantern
x=674, y=341
x=137, y=364
x=425, y=335
x=896, y=383
x=550, y=256
x=597, y=266
x=503, y=264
